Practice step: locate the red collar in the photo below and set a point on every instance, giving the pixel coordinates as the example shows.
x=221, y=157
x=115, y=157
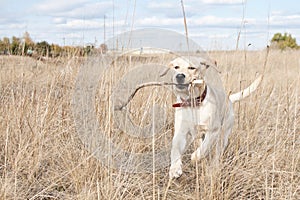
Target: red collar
x=189, y=102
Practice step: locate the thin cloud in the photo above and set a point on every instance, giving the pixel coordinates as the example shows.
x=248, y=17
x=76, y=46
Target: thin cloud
x=221, y=22
x=171, y=9
x=208, y=21
x=59, y=20
x=80, y=24
x=162, y=5
x=222, y=2
x=285, y=20
x=92, y=10
x=73, y=9
x=85, y=24
x=17, y=26
x=158, y=21
x=56, y=6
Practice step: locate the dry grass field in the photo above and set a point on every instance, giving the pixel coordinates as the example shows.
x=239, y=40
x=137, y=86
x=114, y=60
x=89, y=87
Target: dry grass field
x=42, y=157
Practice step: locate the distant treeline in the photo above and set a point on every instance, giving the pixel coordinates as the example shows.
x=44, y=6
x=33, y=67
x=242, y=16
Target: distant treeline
x=26, y=46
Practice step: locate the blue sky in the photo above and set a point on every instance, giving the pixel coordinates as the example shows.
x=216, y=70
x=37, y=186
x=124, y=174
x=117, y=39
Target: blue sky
x=213, y=24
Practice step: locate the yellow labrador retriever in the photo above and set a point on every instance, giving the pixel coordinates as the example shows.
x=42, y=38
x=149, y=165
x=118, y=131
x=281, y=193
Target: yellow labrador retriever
x=200, y=104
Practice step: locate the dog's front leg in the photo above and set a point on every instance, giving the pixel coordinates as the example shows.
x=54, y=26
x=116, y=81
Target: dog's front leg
x=178, y=146
x=210, y=139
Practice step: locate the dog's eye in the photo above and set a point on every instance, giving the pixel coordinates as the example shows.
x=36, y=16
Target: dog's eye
x=176, y=67
x=192, y=68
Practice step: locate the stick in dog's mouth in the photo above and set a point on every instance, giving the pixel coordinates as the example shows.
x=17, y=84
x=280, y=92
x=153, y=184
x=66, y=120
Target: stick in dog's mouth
x=120, y=107
x=199, y=81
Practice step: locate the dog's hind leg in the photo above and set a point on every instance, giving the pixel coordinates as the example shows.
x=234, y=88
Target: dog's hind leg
x=224, y=135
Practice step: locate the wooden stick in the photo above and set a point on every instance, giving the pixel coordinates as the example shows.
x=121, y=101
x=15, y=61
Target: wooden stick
x=145, y=85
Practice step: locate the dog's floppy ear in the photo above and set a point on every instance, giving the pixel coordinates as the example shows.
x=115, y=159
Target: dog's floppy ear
x=204, y=66
x=170, y=65
x=163, y=73
x=207, y=64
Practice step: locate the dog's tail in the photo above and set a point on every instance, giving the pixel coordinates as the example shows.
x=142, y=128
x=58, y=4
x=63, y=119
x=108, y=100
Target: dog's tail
x=246, y=92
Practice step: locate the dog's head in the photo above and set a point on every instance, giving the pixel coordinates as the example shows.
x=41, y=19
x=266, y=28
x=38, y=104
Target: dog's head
x=187, y=71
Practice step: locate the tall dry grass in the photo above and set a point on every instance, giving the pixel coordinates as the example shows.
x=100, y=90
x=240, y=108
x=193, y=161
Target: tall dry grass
x=42, y=157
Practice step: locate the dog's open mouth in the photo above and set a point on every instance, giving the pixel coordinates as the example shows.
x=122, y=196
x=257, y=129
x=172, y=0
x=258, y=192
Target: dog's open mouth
x=182, y=86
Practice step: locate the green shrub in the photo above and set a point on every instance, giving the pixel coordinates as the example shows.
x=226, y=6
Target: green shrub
x=284, y=41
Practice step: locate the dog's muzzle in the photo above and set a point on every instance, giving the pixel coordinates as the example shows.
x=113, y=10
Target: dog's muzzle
x=180, y=79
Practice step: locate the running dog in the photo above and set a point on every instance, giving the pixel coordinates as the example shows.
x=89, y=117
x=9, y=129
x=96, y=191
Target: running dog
x=200, y=104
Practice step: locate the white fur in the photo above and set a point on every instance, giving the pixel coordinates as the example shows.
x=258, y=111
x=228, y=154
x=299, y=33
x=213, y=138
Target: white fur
x=215, y=114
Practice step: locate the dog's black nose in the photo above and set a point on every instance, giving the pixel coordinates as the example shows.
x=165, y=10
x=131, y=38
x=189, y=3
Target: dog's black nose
x=180, y=78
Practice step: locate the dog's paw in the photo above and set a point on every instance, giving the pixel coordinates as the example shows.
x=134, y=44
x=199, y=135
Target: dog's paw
x=175, y=170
